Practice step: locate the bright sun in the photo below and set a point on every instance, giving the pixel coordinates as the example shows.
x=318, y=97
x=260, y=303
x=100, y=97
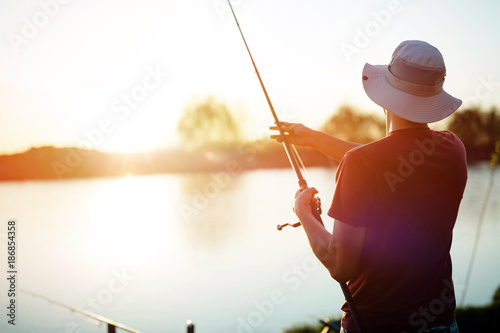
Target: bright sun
x=142, y=133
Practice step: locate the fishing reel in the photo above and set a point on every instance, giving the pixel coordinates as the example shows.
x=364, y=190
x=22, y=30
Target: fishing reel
x=315, y=209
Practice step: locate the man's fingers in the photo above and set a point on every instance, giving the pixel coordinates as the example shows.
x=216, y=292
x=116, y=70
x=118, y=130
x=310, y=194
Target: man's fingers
x=306, y=194
x=284, y=125
x=288, y=130
x=311, y=191
x=276, y=137
x=275, y=128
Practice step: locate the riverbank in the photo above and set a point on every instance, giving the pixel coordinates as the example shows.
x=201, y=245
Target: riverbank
x=47, y=163
x=470, y=319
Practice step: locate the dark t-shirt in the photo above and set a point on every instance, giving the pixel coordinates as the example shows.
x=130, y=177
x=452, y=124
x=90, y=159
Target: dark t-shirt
x=405, y=190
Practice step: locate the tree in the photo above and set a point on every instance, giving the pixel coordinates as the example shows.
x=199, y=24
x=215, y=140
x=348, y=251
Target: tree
x=208, y=123
x=478, y=130
x=351, y=125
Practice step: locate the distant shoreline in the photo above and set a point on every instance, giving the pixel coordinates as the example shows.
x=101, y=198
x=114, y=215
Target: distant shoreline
x=51, y=163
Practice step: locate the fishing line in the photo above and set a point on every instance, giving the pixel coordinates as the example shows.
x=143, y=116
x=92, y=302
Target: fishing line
x=302, y=166
x=493, y=166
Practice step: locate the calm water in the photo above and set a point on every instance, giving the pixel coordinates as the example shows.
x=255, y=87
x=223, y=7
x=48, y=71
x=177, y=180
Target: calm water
x=153, y=252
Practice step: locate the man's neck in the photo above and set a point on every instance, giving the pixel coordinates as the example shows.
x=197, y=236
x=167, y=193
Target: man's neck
x=394, y=123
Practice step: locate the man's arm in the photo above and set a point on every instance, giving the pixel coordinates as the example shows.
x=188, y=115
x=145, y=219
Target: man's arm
x=331, y=146
x=338, y=252
x=301, y=135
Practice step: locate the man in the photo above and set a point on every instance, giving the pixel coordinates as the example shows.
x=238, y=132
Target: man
x=396, y=200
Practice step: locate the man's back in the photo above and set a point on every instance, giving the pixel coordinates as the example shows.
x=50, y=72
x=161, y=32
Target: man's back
x=396, y=200
x=405, y=190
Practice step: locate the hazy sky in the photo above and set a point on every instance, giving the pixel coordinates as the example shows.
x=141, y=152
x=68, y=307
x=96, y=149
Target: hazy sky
x=115, y=75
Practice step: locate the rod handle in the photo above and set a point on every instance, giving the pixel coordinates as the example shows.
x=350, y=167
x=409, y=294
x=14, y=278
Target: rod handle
x=316, y=208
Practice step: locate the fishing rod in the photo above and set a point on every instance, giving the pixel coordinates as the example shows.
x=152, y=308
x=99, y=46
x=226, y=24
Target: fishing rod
x=291, y=152
x=293, y=157
x=111, y=324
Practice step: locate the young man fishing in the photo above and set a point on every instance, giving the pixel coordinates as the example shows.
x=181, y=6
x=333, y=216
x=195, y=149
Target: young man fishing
x=395, y=202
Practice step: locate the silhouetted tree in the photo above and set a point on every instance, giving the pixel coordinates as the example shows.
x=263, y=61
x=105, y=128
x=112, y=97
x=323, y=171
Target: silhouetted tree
x=478, y=130
x=208, y=123
x=473, y=319
x=351, y=125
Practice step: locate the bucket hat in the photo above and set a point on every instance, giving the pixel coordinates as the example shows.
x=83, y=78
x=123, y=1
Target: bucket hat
x=411, y=86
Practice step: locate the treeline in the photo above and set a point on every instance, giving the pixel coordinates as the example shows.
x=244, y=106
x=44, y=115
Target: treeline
x=351, y=124
x=478, y=129
x=212, y=140
x=210, y=123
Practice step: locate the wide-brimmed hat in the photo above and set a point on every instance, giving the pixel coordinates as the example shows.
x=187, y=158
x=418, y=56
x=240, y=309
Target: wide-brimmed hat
x=411, y=86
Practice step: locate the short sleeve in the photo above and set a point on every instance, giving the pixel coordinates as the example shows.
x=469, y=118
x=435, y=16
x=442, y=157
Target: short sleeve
x=355, y=191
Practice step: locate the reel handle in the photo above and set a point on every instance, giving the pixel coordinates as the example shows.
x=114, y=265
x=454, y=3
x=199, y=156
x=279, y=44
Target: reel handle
x=316, y=211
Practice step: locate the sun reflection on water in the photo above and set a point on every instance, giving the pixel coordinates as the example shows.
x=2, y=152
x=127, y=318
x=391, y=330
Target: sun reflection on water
x=130, y=219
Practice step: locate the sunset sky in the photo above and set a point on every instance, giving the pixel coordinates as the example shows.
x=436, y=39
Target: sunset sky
x=116, y=75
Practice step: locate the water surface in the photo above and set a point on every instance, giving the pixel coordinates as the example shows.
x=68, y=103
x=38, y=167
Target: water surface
x=153, y=252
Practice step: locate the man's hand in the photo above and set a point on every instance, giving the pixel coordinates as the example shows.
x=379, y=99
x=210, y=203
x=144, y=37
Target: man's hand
x=340, y=252
x=297, y=134
x=304, y=202
x=301, y=135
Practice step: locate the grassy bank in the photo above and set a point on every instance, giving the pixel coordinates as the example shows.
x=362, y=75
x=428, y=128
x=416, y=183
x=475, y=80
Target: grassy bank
x=470, y=319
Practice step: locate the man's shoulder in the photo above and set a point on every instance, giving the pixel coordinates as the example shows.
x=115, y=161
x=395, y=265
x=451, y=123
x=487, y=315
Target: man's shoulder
x=404, y=139
x=419, y=144
x=371, y=148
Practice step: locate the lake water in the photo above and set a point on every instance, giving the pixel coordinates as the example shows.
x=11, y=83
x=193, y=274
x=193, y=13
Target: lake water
x=153, y=252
